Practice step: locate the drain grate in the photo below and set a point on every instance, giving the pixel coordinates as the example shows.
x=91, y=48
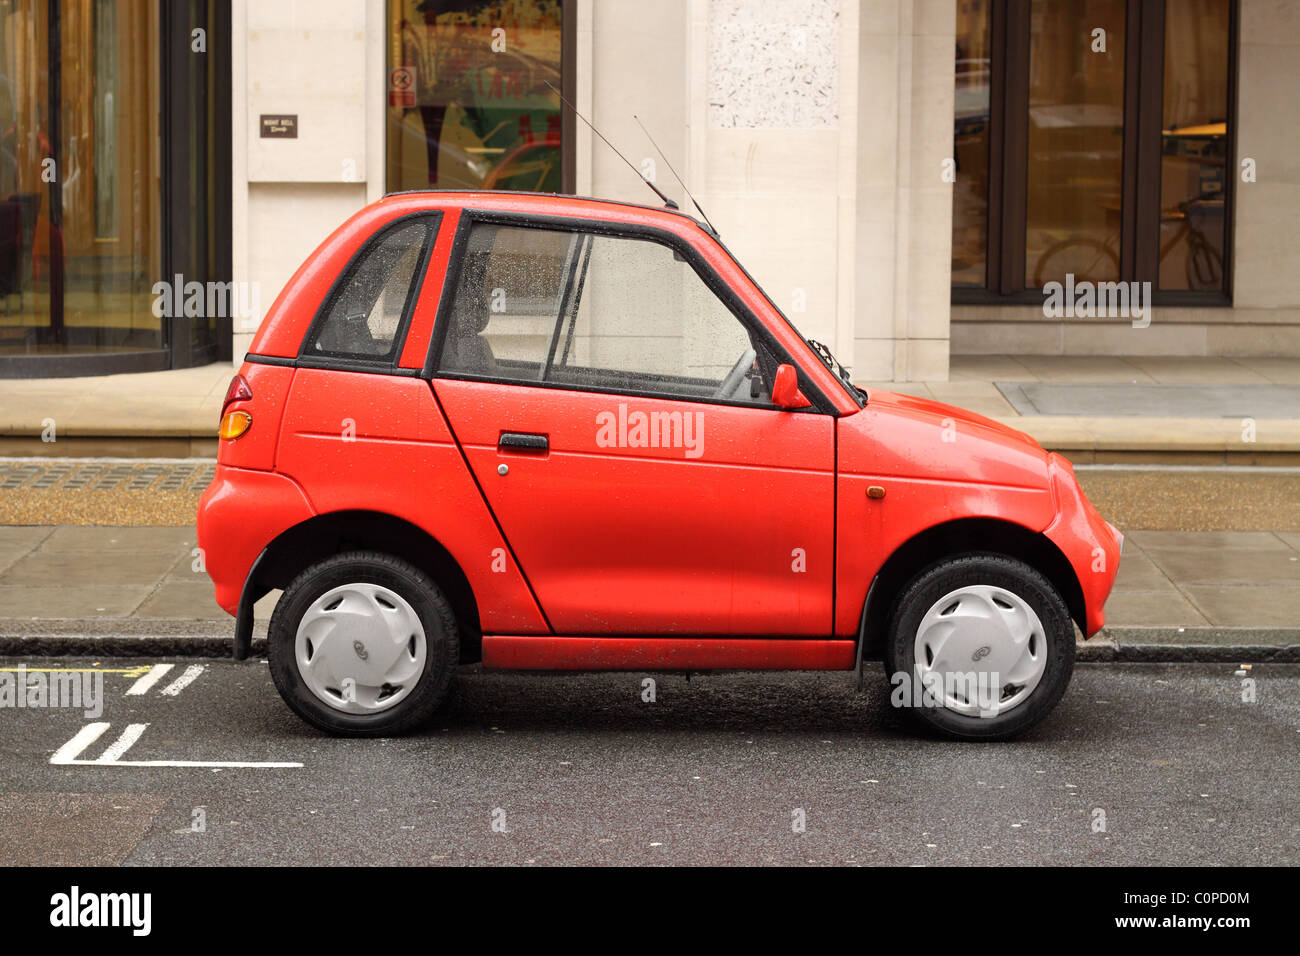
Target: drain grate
x=92, y=475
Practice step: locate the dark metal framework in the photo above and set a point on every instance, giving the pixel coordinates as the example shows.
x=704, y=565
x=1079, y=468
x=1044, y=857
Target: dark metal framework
x=1140, y=177
x=195, y=132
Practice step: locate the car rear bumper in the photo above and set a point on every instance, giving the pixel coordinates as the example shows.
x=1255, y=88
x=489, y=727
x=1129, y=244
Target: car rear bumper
x=241, y=512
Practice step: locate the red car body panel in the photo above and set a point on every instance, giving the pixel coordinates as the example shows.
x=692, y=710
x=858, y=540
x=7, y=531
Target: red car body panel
x=399, y=458
x=510, y=652
x=622, y=540
x=1091, y=544
x=898, y=443
x=240, y=513
x=416, y=350
x=256, y=448
x=757, y=552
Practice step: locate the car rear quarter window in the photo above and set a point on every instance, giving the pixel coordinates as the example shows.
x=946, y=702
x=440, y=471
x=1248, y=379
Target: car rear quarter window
x=367, y=312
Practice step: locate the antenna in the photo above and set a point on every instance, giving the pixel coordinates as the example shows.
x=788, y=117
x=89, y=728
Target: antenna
x=674, y=172
x=667, y=202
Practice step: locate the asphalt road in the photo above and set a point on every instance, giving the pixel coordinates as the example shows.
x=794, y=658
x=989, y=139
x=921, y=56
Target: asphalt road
x=579, y=769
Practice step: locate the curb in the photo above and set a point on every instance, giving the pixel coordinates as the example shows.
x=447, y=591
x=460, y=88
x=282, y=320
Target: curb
x=181, y=638
x=1192, y=645
x=121, y=637
x=121, y=645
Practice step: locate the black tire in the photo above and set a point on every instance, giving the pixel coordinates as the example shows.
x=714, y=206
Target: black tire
x=967, y=570
x=418, y=590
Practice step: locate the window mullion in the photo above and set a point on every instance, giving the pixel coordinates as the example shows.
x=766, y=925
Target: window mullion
x=1014, y=140
x=1140, y=253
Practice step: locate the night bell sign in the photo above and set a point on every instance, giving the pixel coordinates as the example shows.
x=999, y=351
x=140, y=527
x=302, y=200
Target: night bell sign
x=279, y=126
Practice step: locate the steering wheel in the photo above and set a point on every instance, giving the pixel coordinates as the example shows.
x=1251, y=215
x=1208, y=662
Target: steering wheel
x=736, y=375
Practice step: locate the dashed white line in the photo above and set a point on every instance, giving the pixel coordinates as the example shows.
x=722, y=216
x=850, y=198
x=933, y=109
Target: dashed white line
x=153, y=676
x=86, y=736
x=123, y=743
x=69, y=754
x=233, y=764
x=185, y=680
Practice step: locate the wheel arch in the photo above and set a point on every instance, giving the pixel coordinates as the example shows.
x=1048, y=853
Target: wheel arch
x=963, y=536
x=335, y=532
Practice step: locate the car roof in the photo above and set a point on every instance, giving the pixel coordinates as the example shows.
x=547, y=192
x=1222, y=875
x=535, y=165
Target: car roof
x=538, y=202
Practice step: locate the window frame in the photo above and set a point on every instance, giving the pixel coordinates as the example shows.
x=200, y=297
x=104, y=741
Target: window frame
x=307, y=358
x=568, y=86
x=1139, y=237
x=620, y=230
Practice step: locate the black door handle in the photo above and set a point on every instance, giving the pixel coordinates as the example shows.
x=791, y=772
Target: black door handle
x=523, y=441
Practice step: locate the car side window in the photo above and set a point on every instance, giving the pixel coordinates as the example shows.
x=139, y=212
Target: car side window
x=597, y=312
x=366, y=311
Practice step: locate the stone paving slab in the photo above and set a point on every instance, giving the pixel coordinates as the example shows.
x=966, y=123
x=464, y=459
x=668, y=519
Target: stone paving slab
x=1153, y=609
x=95, y=572
x=1123, y=400
x=176, y=403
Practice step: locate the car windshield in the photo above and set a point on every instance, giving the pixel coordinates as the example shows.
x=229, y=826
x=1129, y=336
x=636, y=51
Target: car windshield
x=837, y=369
x=841, y=373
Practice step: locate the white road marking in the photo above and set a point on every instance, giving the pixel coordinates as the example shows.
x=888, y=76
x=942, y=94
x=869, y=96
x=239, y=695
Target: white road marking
x=122, y=744
x=86, y=736
x=235, y=764
x=143, y=684
x=190, y=675
x=68, y=754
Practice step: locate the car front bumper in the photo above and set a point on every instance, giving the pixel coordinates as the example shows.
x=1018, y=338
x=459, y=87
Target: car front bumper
x=1089, y=542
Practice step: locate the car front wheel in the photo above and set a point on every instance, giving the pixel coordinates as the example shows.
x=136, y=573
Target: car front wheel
x=363, y=644
x=981, y=647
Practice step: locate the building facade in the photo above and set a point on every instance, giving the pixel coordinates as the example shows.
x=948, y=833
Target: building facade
x=904, y=178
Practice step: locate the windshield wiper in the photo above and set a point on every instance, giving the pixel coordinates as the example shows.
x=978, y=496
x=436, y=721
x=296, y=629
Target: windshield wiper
x=836, y=368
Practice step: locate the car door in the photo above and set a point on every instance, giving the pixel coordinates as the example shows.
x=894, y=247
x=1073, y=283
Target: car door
x=616, y=414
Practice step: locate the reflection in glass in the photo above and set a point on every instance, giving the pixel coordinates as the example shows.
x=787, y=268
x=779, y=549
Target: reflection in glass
x=468, y=101
x=80, y=243
x=106, y=95
x=1076, y=117
x=1194, y=144
x=970, y=208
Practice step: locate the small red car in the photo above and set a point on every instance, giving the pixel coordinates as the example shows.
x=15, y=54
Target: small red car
x=543, y=432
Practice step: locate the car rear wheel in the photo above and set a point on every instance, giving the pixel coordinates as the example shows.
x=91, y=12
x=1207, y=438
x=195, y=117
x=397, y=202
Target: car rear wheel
x=981, y=647
x=363, y=644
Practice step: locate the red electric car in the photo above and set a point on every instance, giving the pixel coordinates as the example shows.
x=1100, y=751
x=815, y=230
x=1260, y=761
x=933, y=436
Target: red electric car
x=550, y=433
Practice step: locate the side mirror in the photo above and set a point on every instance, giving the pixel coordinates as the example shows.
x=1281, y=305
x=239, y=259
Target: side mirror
x=785, y=389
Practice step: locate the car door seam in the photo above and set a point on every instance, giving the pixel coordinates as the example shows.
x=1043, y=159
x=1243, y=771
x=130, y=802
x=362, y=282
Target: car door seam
x=488, y=504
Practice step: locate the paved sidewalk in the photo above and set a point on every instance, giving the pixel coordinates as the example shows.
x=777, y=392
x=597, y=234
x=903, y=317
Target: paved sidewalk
x=1130, y=408
x=1220, y=595
x=170, y=414
x=1106, y=409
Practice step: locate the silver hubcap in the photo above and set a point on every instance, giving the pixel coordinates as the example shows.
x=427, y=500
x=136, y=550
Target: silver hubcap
x=360, y=648
x=981, y=650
